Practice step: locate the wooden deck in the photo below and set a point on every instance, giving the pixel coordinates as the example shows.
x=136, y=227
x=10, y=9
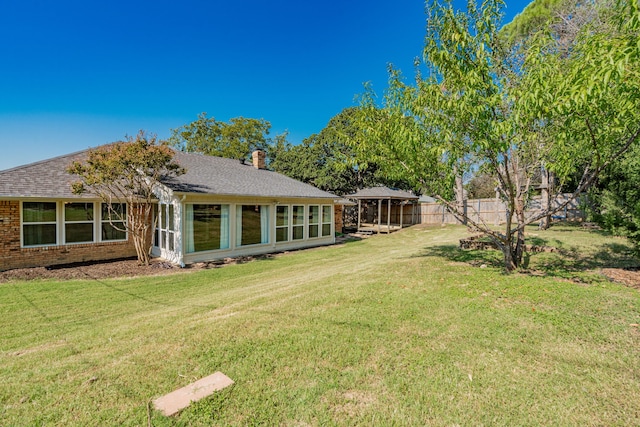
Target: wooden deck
x=375, y=228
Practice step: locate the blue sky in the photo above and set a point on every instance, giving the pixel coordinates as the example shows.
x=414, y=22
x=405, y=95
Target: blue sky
x=78, y=74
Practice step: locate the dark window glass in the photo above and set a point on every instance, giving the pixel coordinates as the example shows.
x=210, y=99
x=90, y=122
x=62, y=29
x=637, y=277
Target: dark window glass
x=39, y=234
x=78, y=212
x=251, y=230
x=78, y=232
x=110, y=232
x=39, y=212
x=298, y=222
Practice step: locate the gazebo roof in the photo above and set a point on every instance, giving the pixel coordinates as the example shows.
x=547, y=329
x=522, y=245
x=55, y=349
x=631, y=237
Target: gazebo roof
x=386, y=193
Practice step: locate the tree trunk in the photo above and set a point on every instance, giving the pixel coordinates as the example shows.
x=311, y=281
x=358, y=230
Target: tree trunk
x=545, y=198
x=460, y=201
x=519, y=243
x=509, y=263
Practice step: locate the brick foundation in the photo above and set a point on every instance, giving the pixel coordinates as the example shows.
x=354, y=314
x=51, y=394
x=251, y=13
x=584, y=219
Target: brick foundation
x=13, y=256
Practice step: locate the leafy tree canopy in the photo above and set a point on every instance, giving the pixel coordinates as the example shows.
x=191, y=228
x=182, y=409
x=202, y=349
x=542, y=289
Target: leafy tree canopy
x=482, y=105
x=235, y=139
x=327, y=160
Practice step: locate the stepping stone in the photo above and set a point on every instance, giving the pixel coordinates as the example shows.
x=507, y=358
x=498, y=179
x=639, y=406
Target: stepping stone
x=179, y=399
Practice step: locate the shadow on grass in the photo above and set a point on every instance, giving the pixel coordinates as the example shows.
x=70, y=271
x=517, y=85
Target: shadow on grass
x=565, y=262
x=453, y=253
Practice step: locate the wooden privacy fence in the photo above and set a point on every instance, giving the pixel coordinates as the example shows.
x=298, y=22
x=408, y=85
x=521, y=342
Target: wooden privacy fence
x=493, y=211
x=490, y=211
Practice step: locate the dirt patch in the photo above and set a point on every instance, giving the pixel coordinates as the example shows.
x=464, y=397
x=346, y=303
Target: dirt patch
x=628, y=276
x=111, y=269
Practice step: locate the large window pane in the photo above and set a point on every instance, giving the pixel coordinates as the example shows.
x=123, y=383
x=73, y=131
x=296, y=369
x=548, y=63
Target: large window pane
x=39, y=234
x=78, y=232
x=78, y=212
x=39, y=223
x=39, y=212
x=110, y=232
x=78, y=219
x=253, y=224
x=207, y=227
x=114, y=229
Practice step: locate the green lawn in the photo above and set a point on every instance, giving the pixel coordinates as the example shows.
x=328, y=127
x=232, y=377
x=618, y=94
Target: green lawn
x=397, y=330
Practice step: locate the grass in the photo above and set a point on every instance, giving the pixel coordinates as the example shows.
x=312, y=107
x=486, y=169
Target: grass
x=399, y=330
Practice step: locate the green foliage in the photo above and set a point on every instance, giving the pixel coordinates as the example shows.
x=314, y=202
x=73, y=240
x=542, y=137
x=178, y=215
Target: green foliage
x=483, y=105
x=535, y=17
x=327, y=160
x=481, y=186
x=127, y=172
x=616, y=198
x=235, y=139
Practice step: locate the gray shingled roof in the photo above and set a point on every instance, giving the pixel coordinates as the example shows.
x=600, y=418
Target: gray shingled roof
x=381, y=193
x=205, y=175
x=217, y=175
x=47, y=178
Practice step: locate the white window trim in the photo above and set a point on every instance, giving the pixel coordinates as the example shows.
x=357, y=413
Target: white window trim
x=323, y=223
x=102, y=221
x=61, y=221
x=23, y=223
x=64, y=222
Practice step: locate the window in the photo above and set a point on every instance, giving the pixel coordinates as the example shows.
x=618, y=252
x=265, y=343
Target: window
x=78, y=222
x=164, y=234
x=206, y=227
x=282, y=223
x=39, y=223
x=112, y=225
x=326, y=220
x=252, y=222
x=171, y=228
x=298, y=222
x=314, y=221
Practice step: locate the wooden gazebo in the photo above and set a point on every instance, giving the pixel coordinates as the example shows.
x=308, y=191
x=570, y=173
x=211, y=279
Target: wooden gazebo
x=378, y=196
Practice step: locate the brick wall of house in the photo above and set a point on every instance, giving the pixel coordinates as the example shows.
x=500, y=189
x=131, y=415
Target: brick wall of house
x=337, y=214
x=13, y=256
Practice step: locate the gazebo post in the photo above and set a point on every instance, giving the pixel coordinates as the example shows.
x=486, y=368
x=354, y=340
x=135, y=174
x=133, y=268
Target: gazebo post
x=359, y=207
x=401, y=212
x=388, y=216
x=379, y=214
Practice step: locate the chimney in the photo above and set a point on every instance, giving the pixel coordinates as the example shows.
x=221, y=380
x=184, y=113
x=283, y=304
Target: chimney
x=258, y=159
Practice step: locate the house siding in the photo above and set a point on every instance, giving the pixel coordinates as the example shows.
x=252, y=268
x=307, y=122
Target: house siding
x=12, y=255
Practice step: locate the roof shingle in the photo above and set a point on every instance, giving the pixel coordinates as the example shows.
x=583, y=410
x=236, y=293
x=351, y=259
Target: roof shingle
x=204, y=175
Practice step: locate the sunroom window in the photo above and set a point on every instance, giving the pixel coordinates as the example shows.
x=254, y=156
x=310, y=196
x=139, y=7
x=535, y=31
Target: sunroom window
x=314, y=221
x=326, y=220
x=282, y=223
x=206, y=227
x=252, y=222
x=298, y=222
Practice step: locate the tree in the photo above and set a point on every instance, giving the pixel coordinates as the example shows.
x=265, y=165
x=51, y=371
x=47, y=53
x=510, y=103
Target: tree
x=327, y=161
x=127, y=172
x=616, y=198
x=483, y=106
x=235, y=140
x=481, y=186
